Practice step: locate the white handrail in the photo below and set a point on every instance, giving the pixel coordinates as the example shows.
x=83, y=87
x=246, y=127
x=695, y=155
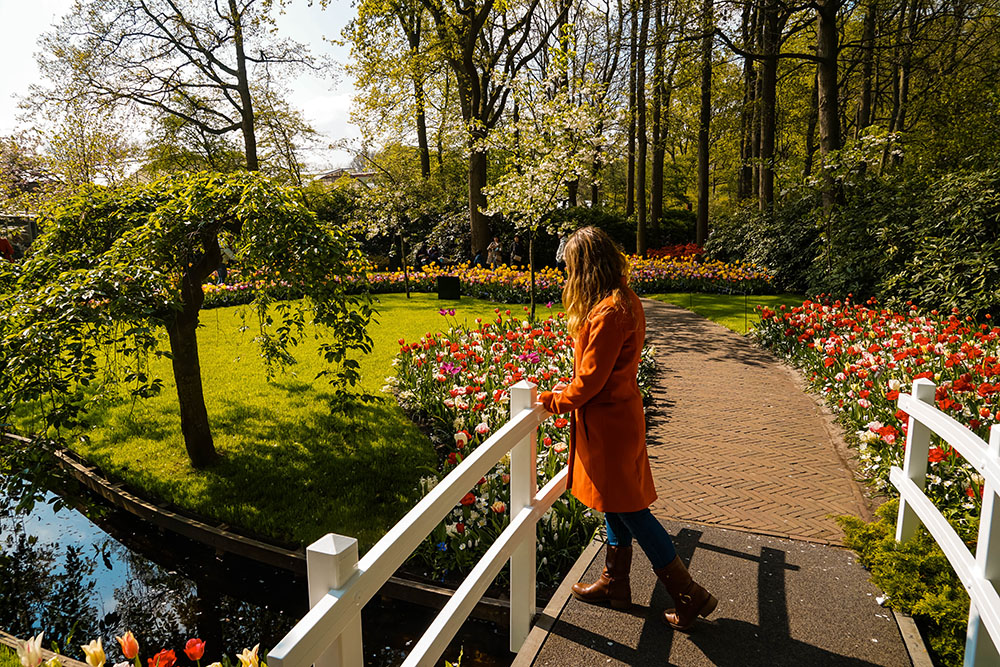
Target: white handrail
x=329, y=634
x=980, y=573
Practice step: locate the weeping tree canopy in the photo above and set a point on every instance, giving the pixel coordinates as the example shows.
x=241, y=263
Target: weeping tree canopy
x=81, y=317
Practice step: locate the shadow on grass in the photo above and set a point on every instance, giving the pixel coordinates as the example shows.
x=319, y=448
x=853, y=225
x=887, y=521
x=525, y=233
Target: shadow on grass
x=349, y=469
x=354, y=470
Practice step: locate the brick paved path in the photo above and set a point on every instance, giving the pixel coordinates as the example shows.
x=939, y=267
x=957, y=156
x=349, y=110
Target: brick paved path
x=734, y=441
x=748, y=467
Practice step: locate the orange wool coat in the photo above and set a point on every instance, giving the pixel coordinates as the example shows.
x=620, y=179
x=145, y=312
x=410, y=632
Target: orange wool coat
x=608, y=465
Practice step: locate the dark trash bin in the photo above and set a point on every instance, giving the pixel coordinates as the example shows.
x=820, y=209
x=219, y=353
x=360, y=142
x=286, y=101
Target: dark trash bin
x=449, y=287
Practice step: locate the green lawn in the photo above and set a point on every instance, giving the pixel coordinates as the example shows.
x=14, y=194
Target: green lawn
x=292, y=468
x=8, y=657
x=733, y=311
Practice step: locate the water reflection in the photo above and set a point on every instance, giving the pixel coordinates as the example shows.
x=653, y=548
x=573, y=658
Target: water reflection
x=63, y=571
x=84, y=571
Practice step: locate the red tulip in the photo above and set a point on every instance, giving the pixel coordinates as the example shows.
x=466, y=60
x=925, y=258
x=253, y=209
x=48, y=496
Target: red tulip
x=165, y=658
x=194, y=649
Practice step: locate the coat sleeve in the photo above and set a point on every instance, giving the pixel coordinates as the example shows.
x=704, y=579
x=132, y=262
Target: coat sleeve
x=608, y=330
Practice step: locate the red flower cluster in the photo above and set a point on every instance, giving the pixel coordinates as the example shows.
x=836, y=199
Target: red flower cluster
x=677, y=250
x=862, y=356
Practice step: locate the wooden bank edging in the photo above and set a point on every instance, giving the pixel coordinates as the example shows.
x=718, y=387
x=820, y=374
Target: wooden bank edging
x=13, y=642
x=221, y=538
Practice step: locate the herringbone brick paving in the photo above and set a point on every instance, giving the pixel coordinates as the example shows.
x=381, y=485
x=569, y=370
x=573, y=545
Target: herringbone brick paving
x=734, y=441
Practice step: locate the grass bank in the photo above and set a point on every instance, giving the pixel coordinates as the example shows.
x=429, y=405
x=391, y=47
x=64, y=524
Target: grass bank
x=294, y=466
x=733, y=311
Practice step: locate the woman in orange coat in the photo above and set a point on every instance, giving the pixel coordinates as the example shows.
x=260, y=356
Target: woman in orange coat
x=608, y=466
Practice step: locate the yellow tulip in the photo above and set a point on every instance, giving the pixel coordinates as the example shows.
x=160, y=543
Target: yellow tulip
x=249, y=658
x=95, y=653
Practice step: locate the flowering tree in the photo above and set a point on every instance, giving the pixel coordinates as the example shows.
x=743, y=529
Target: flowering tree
x=116, y=266
x=553, y=140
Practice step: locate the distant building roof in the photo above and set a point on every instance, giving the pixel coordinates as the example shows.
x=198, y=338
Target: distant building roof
x=364, y=177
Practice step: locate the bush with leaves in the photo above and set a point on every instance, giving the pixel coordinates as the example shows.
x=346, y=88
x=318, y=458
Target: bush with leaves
x=784, y=240
x=115, y=267
x=916, y=578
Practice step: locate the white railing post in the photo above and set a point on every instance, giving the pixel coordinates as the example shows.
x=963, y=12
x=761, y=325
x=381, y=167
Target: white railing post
x=918, y=440
x=523, y=486
x=980, y=649
x=330, y=562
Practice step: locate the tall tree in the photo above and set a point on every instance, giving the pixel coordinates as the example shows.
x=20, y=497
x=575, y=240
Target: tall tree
x=169, y=56
x=115, y=265
x=704, y=119
x=827, y=89
x=659, y=95
x=487, y=44
x=640, y=101
x=633, y=72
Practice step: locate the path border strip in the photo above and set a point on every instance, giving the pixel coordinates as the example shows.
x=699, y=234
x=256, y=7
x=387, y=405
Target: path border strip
x=913, y=640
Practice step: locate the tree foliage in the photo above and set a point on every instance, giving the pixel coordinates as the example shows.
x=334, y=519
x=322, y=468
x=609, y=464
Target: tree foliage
x=193, y=60
x=118, y=265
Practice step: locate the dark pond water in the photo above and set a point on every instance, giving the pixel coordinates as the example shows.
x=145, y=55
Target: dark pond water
x=84, y=571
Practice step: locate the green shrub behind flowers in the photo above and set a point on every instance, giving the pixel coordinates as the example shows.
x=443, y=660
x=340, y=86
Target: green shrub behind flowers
x=457, y=383
x=916, y=578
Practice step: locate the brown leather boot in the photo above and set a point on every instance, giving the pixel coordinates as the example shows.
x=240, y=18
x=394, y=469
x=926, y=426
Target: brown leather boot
x=691, y=600
x=613, y=586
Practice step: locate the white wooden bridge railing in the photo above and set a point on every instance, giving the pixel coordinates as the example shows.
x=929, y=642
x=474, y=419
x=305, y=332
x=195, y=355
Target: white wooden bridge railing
x=329, y=635
x=980, y=573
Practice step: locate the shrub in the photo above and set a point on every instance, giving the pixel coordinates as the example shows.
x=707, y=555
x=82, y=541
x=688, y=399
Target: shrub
x=784, y=240
x=949, y=256
x=916, y=578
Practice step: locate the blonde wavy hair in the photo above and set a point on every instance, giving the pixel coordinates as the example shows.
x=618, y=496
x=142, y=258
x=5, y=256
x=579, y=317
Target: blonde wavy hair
x=596, y=268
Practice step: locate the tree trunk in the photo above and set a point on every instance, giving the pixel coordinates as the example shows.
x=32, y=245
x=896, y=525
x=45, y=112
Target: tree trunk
x=768, y=101
x=701, y=226
x=187, y=374
x=630, y=178
x=640, y=101
x=531, y=269
x=864, y=118
x=422, y=146
x=896, y=77
x=811, y=131
x=243, y=86
x=406, y=272
x=827, y=50
x=905, y=67
x=656, y=181
x=477, y=200
x=573, y=191
x=746, y=185
x=595, y=190
x=413, y=37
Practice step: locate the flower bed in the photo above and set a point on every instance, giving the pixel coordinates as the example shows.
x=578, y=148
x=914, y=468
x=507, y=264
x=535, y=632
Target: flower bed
x=457, y=384
x=677, y=250
x=512, y=284
x=860, y=357
x=30, y=654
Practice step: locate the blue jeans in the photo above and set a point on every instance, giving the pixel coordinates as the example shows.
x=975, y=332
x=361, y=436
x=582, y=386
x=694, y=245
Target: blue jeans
x=648, y=532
